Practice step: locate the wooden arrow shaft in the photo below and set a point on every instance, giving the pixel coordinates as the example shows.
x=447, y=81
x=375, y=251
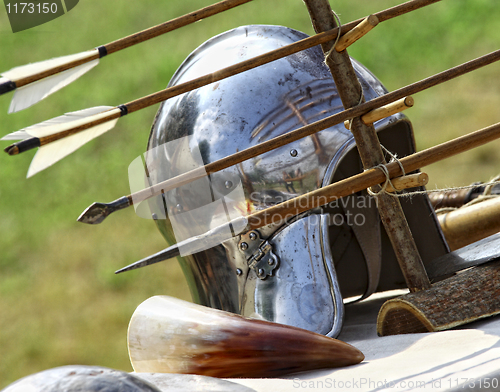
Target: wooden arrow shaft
x=279, y=213
x=291, y=136
x=136, y=38
x=312, y=128
x=268, y=57
x=193, y=17
x=93, y=55
x=243, y=66
x=372, y=177
x=368, y=178
x=232, y=70
x=298, y=133
x=173, y=24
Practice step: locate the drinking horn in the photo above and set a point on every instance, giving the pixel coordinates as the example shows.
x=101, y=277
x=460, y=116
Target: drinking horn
x=168, y=335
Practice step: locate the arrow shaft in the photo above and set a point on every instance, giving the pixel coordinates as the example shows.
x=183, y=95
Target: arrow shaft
x=269, y=144
x=279, y=213
x=243, y=66
x=94, y=55
x=173, y=91
x=184, y=20
x=128, y=41
x=190, y=18
x=373, y=177
x=232, y=70
x=51, y=138
x=317, y=126
x=33, y=142
x=173, y=24
x=271, y=56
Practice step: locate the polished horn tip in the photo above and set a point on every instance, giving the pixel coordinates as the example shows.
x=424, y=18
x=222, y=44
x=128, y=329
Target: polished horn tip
x=173, y=336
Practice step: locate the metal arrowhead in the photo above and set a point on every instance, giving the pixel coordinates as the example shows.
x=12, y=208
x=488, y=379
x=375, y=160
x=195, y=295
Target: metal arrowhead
x=97, y=212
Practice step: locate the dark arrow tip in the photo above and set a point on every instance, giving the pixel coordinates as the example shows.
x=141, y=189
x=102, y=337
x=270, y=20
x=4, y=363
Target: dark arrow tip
x=124, y=269
x=136, y=265
x=170, y=252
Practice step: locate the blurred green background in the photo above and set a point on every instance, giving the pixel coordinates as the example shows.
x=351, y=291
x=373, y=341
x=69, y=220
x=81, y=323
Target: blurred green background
x=60, y=302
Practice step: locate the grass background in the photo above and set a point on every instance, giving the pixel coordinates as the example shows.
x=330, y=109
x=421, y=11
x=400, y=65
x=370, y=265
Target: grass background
x=60, y=302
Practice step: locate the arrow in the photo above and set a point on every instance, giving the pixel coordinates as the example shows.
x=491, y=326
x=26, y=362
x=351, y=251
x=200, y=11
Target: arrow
x=57, y=133
x=78, y=127
x=97, y=212
x=34, y=82
x=278, y=214
x=71, y=128
x=195, y=244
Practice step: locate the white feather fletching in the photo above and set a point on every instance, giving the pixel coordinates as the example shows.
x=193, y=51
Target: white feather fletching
x=41, y=90
x=24, y=71
x=68, y=121
x=18, y=135
x=28, y=95
x=52, y=152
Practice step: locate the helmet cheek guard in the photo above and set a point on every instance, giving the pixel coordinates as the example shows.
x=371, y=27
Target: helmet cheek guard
x=297, y=273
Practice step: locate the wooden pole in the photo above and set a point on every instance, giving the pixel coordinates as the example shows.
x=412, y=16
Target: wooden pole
x=370, y=151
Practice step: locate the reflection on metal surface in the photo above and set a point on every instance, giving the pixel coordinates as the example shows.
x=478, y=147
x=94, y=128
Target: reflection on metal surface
x=298, y=285
x=205, y=205
x=300, y=292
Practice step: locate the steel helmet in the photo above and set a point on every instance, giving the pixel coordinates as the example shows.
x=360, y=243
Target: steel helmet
x=307, y=266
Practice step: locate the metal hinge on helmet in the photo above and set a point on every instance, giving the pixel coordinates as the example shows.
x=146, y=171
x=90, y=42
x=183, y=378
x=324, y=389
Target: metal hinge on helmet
x=259, y=254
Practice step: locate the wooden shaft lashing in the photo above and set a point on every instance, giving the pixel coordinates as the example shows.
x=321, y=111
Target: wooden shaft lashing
x=356, y=33
x=370, y=151
x=384, y=111
x=409, y=181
